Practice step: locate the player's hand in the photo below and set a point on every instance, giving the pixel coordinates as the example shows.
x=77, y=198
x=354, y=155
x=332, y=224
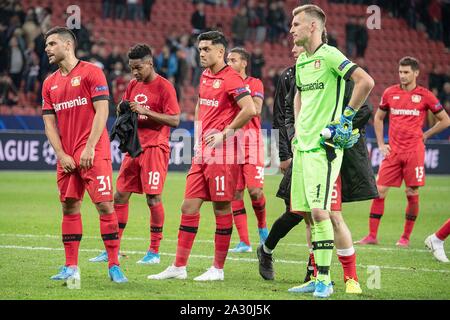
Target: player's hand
x=66, y=162
x=87, y=158
x=215, y=140
x=344, y=128
x=424, y=137
x=284, y=165
x=385, y=150
x=138, y=108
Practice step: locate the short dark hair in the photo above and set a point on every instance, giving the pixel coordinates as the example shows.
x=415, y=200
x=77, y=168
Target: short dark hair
x=242, y=52
x=214, y=36
x=140, y=51
x=62, y=31
x=410, y=61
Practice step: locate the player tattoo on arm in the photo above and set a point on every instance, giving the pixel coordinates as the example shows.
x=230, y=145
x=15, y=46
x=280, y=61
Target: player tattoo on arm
x=98, y=125
x=51, y=131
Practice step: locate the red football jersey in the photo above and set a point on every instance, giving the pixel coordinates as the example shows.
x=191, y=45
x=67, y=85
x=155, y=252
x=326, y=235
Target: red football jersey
x=218, y=96
x=71, y=98
x=159, y=96
x=407, y=111
x=256, y=89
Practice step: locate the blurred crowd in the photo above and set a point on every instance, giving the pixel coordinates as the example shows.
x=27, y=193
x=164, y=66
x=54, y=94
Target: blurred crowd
x=432, y=16
x=24, y=64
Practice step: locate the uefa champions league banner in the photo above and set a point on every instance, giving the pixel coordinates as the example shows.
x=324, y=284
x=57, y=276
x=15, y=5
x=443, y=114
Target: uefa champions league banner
x=22, y=150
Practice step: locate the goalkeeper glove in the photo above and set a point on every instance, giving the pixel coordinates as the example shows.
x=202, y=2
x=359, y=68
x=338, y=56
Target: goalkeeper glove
x=332, y=136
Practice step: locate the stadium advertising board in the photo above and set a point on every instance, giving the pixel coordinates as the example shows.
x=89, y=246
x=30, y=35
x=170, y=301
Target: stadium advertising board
x=32, y=151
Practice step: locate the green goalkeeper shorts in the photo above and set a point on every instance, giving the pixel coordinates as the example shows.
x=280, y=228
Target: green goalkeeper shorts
x=313, y=178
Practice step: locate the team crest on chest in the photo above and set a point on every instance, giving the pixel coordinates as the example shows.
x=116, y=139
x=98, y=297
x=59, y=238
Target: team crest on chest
x=416, y=98
x=140, y=98
x=76, y=81
x=317, y=64
x=216, y=84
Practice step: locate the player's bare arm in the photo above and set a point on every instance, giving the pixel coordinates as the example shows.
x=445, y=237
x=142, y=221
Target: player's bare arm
x=379, y=127
x=162, y=118
x=51, y=130
x=258, y=105
x=248, y=111
x=98, y=125
x=297, y=108
x=364, y=83
x=442, y=124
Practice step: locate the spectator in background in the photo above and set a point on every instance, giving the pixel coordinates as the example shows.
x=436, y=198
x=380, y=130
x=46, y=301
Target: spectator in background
x=44, y=17
x=351, y=29
x=147, y=6
x=107, y=8
x=257, y=63
x=261, y=27
x=120, y=8
x=114, y=57
x=198, y=19
x=445, y=93
x=83, y=38
x=362, y=37
x=172, y=41
x=253, y=20
x=167, y=64
x=31, y=72
x=8, y=92
x=30, y=27
x=239, y=27
x=435, y=13
x=332, y=39
x=16, y=61
x=436, y=78
x=134, y=10
x=181, y=73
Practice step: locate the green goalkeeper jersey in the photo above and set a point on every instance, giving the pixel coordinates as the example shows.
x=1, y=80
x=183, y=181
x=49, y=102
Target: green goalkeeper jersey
x=320, y=79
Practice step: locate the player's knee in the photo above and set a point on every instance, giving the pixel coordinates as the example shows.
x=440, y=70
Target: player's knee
x=382, y=191
x=71, y=206
x=319, y=215
x=222, y=207
x=336, y=220
x=121, y=197
x=239, y=195
x=189, y=208
x=153, y=199
x=412, y=191
x=255, y=193
x=105, y=207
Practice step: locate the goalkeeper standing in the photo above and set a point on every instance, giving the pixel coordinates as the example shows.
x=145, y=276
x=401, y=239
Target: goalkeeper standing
x=321, y=72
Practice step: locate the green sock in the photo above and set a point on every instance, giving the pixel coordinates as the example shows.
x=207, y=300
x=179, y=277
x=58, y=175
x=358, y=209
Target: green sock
x=323, y=249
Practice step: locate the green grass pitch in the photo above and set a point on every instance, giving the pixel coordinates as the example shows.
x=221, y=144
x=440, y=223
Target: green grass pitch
x=31, y=250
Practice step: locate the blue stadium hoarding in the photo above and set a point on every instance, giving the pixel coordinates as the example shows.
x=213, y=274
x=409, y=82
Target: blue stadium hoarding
x=28, y=150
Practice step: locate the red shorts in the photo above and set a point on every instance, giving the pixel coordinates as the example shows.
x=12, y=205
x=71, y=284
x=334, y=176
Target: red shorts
x=408, y=166
x=251, y=171
x=211, y=182
x=336, y=196
x=144, y=174
x=96, y=180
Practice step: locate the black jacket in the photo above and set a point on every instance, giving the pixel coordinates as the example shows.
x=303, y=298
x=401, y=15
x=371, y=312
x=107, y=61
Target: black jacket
x=126, y=129
x=358, y=179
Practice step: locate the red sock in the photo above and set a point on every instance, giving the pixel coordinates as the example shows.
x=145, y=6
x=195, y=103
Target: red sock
x=412, y=210
x=122, y=216
x=349, y=266
x=224, y=227
x=156, y=226
x=313, y=264
x=260, y=211
x=72, y=231
x=240, y=220
x=109, y=230
x=444, y=231
x=376, y=212
x=186, y=236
